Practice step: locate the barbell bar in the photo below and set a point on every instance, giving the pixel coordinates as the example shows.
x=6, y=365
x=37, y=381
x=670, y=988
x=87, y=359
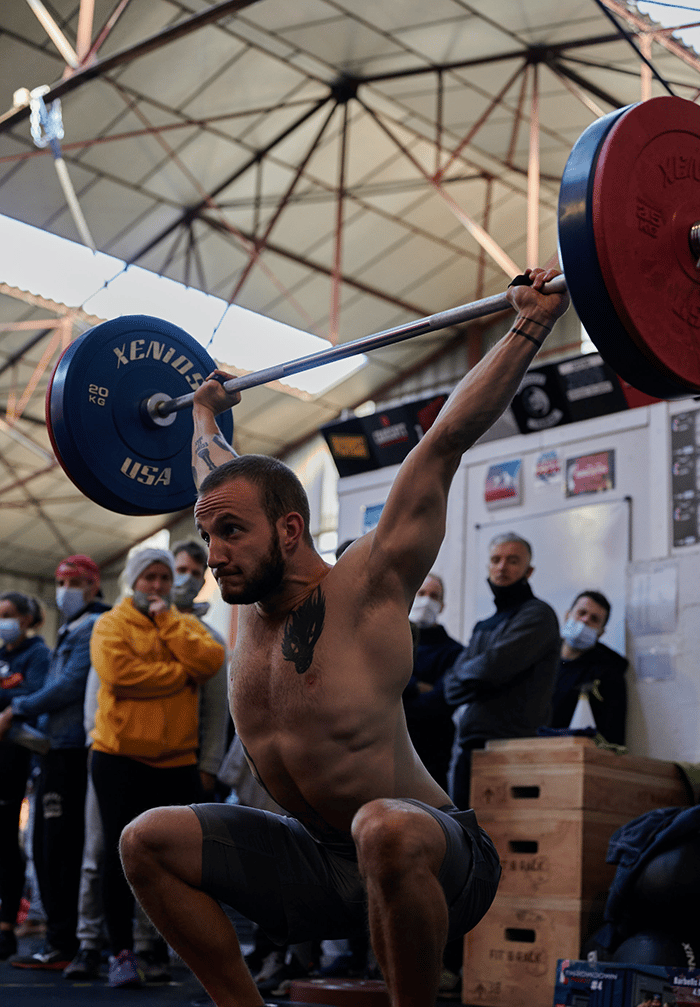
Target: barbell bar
x=158, y=406
x=629, y=245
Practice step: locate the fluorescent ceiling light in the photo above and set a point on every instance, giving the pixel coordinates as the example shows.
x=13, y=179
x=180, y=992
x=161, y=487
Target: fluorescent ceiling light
x=69, y=273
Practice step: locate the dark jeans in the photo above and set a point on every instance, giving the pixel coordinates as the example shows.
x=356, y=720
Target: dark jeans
x=59, y=829
x=125, y=788
x=14, y=771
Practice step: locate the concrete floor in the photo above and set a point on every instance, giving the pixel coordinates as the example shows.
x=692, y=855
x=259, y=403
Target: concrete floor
x=39, y=988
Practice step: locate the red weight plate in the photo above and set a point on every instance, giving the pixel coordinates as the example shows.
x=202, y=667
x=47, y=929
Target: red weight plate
x=646, y=197
x=340, y=992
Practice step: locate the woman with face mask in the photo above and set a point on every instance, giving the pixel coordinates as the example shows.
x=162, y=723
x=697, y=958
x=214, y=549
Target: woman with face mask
x=150, y=660
x=24, y=659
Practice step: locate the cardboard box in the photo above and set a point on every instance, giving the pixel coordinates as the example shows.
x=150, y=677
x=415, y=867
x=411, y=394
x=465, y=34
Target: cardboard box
x=613, y=984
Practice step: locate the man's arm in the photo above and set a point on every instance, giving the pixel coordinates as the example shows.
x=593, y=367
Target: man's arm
x=412, y=524
x=127, y=674
x=610, y=714
x=69, y=686
x=190, y=641
x=210, y=449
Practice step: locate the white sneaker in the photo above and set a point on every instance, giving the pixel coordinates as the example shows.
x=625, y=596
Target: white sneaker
x=271, y=963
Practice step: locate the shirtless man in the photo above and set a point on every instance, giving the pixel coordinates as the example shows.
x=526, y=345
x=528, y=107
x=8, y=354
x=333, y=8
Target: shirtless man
x=320, y=663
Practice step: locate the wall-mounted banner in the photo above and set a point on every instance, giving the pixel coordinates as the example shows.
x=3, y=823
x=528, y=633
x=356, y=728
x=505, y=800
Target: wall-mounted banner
x=590, y=473
x=685, y=443
x=503, y=486
x=539, y=403
x=548, y=468
x=570, y=390
x=364, y=443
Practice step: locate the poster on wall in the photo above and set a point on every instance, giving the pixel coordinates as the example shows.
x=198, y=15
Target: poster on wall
x=503, y=485
x=593, y=473
x=652, y=599
x=548, y=468
x=685, y=441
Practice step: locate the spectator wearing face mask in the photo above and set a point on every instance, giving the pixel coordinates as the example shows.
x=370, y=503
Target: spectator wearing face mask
x=587, y=665
x=151, y=660
x=214, y=717
x=190, y=564
x=24, y=661
x=428, y=715
x=60, y=798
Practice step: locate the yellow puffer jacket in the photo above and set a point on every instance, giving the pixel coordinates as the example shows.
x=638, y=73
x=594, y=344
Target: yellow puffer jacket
x=149, y=670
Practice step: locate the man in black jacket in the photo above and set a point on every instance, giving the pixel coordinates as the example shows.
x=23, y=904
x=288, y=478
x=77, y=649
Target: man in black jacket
x=587, y=665
x=428, y=715
x=504, y=678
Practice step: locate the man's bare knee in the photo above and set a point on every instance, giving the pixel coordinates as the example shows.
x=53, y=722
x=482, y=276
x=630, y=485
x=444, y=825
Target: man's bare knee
x=393, y=839
x=162, y=839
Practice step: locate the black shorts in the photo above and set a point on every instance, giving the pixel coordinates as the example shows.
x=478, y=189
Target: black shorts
x=296, y=888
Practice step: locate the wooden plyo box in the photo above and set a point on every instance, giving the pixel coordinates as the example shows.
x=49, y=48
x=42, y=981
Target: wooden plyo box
x=550, y=805
x=559, y=854
x=511, y=957
x=569, y=772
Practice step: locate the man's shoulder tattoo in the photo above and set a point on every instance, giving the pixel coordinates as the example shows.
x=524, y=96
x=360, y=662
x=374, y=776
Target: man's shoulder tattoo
x=302, y=630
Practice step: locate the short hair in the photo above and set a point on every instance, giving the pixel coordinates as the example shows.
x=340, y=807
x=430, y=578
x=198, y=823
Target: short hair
x=25, y=605
x=597, y=596
x=194, y=549
x=279, y=488
x=438, y=578
x=511, y=536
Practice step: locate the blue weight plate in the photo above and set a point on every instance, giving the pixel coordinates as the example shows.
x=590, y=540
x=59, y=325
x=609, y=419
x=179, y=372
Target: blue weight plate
x=101, y=436
x=579, y=259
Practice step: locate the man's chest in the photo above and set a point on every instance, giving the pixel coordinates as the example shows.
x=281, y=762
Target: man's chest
x=277, y=666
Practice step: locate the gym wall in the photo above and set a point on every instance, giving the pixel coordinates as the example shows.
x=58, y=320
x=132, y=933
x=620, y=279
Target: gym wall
x=619, y=538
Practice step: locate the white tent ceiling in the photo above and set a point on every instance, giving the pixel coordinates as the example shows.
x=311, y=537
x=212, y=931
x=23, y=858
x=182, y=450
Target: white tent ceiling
x=340, y=166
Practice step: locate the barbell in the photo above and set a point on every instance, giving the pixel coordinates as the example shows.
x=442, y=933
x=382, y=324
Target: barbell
x=629, y=245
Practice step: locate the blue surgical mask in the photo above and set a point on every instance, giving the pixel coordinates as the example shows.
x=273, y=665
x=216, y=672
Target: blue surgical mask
x=69, y=601
x=578, y=635
x=185, y=589
x=10, y=630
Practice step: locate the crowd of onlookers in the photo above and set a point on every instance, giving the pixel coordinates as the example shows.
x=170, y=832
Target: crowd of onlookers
x=129, y=712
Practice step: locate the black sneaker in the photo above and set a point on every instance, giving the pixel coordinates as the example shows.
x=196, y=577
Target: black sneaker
x=85, y=965
x=8, y=944
x=45, y=958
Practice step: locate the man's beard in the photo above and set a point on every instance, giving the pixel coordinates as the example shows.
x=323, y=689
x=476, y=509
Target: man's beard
x=264, y=580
